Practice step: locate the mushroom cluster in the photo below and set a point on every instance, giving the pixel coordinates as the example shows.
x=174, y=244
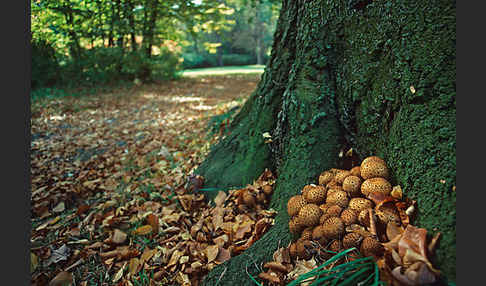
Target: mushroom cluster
x=340, y=212
x=354, y=208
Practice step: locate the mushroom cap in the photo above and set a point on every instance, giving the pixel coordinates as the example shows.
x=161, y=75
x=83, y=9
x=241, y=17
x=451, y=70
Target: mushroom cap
x=356, y=171
x=307, y=233
x=373, y=158
x=295, y=225
x=294, y=204
x=325, y=177
x=336, y=245
x=318, y=234
x=333, y=227
x=352, y=239
x=349, y=216
x=359, y=204
x=341, y=175
x=332, y=189
x=351, y=185
x=371, y=247
x=315, y=194
x=376, y=185
x=334, y=210
x=374, y=168
x=324, y=207
x=310, y=214
x=339, y=198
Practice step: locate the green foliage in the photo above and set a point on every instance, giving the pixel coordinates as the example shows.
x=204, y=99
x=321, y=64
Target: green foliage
x=238, y=59
x=199, y=60
x=44, y=68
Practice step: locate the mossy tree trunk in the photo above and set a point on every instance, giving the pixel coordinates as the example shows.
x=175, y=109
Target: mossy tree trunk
x=376, y=75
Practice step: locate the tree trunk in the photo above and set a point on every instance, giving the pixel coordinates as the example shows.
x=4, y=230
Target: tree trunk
x=131, y=23
x=341, y=72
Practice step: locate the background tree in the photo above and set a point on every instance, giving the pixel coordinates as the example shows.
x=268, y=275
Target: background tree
x=377, y=76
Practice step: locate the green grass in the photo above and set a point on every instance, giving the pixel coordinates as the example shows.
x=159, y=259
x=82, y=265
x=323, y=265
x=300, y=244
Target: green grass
x=250, y=69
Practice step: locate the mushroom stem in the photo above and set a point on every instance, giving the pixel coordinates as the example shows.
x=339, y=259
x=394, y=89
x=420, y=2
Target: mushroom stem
x=372, y=222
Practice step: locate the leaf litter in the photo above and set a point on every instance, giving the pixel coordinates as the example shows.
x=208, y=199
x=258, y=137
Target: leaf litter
x=112, y=195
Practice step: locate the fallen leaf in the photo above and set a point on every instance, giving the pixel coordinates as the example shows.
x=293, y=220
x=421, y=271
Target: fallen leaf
x=62, y=253
x=59, y=208
x=212, y=252
x=119, y=237
x=119, y=274
x=153, y=221
x=62, y=279
x=176, y=255
x=34, y=262
x=143, y=230
x=133, y=266
x=223, y=255
x=220, y=198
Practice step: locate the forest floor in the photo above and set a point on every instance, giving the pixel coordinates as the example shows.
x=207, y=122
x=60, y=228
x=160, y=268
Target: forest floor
x=108, y=172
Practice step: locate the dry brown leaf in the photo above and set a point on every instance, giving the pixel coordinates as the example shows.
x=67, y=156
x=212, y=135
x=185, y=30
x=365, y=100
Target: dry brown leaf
x=63, y=278
x=223, y=255
x=220, y=198
x=134, y=266
x=176, y=255
x=59, y=208
x=212, y=252
x=119, y=237
x=119, y=274
x=153, y=221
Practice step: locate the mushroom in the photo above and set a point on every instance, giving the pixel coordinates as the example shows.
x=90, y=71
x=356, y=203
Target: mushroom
x=310, y=214
x=372, y=185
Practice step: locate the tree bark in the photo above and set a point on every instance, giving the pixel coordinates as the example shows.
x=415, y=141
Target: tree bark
x=378, y=76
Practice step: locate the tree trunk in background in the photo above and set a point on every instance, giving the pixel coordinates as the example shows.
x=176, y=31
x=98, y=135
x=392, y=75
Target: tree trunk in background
x=341, y=73
x=131, y=23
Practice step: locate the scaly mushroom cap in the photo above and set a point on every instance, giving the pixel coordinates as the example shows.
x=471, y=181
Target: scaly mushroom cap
x=349, y=216
x=339, y=198
x=373, y=158
x=336, y=246
x=351, y=185
x=333, y=228
x=374, y=168
x=334, y=210
x=333, y=189
x=325, y=177
x=359, y=204
x=319, y=235
x=371, y=247
x=376, y=185
x=324, y=207
x=352, y=240
x=310, y=214
x=295, y=225
x=307, y=233
x=315, y=194
x=294, y=204
x=356, y=171
x=341, y=175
